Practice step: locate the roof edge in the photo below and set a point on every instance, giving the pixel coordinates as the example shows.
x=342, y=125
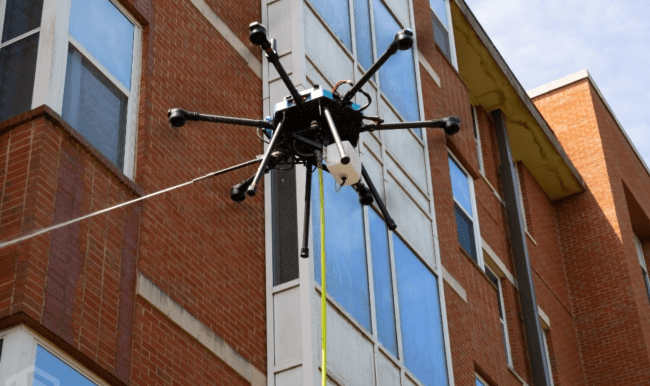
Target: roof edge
x=580, y=75
x=519, y=89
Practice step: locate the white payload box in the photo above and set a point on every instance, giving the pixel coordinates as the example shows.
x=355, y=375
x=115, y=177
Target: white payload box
x=344, y=174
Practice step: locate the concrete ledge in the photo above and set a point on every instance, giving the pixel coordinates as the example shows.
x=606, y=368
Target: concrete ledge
x=254, y=63
x=199, y=331
x=454, y=284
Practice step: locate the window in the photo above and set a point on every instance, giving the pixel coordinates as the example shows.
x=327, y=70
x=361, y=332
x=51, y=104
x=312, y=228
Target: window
x=37, y=362
x=480, y=381
x=404, y=287
x=644, y=268
x=502, y=312
x=347, y=273
x=442, y=31
x=18, y=49
x=465, y=208
x=397, y=77
x=93, y=49
x=477, y=139
x=419, y=308
x=547, y=356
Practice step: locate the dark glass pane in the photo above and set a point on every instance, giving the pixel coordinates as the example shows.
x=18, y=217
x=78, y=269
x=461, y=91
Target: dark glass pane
x=397, y=75
x=106, y=33
x=17, y=70
x=495, y=280
x=441, y=36
x=95, y=107
x=362, y=33
x=383, y=282
x=336, y=14
x=1, y=350
x=647, y=282
x=51, y=370
x=21, y=17
x=421, y=320
x=465, y=232
x=347, y=271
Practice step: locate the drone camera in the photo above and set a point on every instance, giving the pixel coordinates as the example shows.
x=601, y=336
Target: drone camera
x=177, y=117
x=452, y=126
x=238, y=191
x=257, y=35
x=404, y=39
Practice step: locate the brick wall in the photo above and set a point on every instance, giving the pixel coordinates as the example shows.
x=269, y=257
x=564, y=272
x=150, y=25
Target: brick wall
x=75, y=285
x=605, y=285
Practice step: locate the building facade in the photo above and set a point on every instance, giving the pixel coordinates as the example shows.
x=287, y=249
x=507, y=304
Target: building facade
x=523, y=242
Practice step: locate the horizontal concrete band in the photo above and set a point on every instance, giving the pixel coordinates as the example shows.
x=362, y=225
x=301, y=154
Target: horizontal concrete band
x=254, y=63
x=206, y=337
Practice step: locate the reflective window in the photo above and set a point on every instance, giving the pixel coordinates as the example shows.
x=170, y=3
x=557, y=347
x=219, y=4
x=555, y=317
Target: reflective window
x=362, y=33
x=383, y=282
x=397, y=75
x=18, y=52
x=479, y=382
x=466, y=224
x=106, y=33
x=420, y=317
x=502, y=312
x=336, y=14
x=347, y=272
x=644, y=267
x=99, y=44
x=547, y=356
x=95, y=107
x=21, y=16
x=441, y=26
x=17, y=71
x=51, y=371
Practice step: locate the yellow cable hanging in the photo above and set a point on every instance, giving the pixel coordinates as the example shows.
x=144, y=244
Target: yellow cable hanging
x=323, y=279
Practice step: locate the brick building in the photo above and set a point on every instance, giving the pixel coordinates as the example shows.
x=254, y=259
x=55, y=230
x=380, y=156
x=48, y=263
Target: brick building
x=518, y=257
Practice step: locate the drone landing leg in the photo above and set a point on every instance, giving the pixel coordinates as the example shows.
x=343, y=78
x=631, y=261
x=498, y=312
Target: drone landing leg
x=267, y=156
x=330, y=122
x=304, y=251
x=389, y=221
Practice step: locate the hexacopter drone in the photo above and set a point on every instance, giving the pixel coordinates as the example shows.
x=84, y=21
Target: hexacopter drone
x=315, y=125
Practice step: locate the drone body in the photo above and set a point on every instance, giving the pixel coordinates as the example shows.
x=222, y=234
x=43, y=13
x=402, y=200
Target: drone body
x=307, y=124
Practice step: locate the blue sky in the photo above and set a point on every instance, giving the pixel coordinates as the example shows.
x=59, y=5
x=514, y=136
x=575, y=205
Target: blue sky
x=546, y=40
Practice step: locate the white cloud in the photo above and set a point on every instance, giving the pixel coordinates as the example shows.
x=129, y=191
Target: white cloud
x=545, y=40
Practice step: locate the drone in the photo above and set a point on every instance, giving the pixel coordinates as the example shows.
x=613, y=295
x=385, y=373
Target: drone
x=317, y=128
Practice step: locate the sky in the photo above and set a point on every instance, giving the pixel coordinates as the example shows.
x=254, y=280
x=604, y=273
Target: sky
x=546, y=40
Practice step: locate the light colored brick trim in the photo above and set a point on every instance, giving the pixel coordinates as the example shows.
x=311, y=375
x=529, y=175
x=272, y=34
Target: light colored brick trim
x=429, y=69
x=254, y=63
x=500, y=268
x=546, y=322
x=454, y=284
x=199, y=331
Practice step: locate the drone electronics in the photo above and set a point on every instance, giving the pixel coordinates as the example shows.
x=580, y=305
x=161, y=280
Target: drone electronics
x=317, y=123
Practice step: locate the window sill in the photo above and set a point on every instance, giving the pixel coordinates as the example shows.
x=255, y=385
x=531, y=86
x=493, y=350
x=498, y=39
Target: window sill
x=49, y=114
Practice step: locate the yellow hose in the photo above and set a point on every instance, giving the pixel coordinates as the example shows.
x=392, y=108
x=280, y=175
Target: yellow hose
x=323, y=297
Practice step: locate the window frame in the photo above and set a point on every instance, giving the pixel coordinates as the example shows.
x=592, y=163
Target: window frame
x=475, y=221
x=450, y=33
x=502, y=316
x=21, y=336
x=547, y=355
x=477, y=138
x=51, y=66
x=644, y=267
